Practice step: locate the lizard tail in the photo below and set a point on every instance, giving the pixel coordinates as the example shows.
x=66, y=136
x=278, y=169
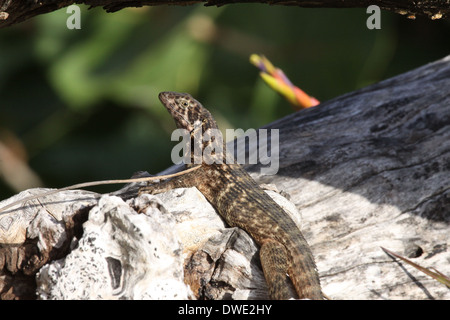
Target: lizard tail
x=304, y=276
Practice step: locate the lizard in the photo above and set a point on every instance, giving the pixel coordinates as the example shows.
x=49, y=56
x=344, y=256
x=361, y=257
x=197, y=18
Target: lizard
x=239, y=200
x=242, y=203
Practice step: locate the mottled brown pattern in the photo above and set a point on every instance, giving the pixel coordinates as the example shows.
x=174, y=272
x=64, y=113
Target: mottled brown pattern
x=242, y=203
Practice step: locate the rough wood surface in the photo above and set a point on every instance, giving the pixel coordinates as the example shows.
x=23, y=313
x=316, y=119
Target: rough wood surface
x=367, y=169
x=37, y=232
x=370, y=169
x=12, y=12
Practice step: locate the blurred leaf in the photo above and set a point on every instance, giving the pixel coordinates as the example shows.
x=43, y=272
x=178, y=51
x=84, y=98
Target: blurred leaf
x=434, y=274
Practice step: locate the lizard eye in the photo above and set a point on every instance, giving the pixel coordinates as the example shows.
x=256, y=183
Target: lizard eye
x=185, y=104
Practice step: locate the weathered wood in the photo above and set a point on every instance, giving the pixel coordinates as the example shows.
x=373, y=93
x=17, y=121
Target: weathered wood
x=12, y=12
x=127, y=251
x=368, y=169
x=36, y=233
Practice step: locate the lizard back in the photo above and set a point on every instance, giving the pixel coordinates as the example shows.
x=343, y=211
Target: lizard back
x=240, y=200
x=242, y=203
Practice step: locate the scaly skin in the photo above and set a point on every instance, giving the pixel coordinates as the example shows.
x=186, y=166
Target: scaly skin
x=242, y=203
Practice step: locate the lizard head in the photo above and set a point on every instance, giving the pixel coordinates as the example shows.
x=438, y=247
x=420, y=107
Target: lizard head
x=187, y=112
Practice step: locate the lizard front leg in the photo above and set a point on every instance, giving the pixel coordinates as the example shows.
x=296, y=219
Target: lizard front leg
x=187, y=180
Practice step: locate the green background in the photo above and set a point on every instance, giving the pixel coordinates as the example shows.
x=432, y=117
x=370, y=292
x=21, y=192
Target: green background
x=81, y=105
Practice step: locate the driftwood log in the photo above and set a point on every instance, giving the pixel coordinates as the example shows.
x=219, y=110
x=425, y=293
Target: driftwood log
x=366, y=170
x=12, y=12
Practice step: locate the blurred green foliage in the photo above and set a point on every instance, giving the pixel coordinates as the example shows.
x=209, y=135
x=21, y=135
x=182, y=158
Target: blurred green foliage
x=81, y=105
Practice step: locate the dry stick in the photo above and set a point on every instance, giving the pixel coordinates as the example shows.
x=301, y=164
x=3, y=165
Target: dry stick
x=97, y=183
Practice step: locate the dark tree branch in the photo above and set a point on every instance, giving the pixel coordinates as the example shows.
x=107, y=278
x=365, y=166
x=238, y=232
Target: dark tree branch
x=12, y=12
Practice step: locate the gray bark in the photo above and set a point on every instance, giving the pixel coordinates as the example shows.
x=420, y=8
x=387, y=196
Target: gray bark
x=367, y=169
